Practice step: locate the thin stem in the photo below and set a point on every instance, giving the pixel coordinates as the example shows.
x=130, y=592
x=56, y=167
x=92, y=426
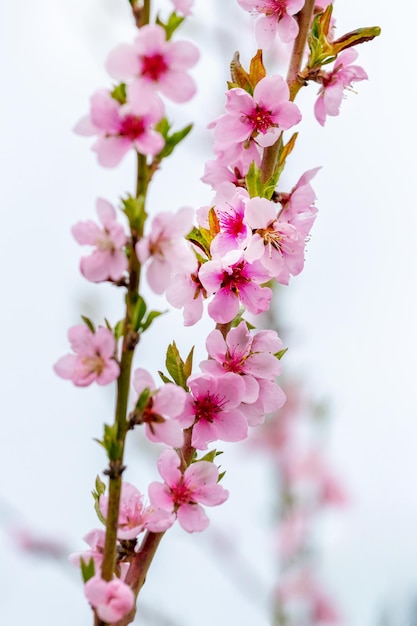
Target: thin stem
x=270, y=156
x=141, y=11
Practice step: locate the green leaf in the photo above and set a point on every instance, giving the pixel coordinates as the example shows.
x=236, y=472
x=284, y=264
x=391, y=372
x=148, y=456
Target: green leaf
x=110, y=442
x=138, y=312
x=254, y=181
x=172, y=141
x=134, y=209
x=89, y=323
x=118, y=329
x=188, y=365
x=355, y=37
x=119, y=93
x=164, y=378
x=240, y=77
x=201, y=238
x=210, y=456
x=87, y=569
x=174, y=21
x=175, y=365
x=239, y=317
x=152, y=315
x=143, y=400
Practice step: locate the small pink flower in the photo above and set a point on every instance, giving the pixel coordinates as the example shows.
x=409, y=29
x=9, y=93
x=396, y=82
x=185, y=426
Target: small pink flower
x=122, y=127
x=156, y=64
x=257, y=119
x=335, y=82
x=134, y=516
x=214, y=406
x=277, y=18
x=162, y=413
x=277, y=245
x=111, y=600
x=298, y=207
x=232, y=279
x=93, y=360
x=252, y=357
x=108, y=260
x=169, y=253
x=182, y=493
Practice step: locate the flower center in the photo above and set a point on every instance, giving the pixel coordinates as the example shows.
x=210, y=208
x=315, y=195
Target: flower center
x=104, y=242
x=235, y=279
x=154, y=66
x=207, y=408
x=132, y=127
x=181, y=493
x=261, y=120
x=94, y=364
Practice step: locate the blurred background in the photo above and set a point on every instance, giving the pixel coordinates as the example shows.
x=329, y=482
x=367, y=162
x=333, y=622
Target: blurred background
x=349, y=321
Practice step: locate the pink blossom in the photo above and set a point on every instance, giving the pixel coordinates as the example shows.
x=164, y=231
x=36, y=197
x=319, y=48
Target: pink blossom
x=93, y=360
x=214, y=406
x=277, y=245
x=298, y=206
x=183, y=491
x=216, y=172
x=257, y=119
x=108, y=260
x=156, y=64
x=165, y=246
x=335, y=82
x=277, y=18
x=162, y=412
x=229, y=208
x=111, y=600
x=186, y=291
x=134, y=516
x=233, y=280
x=251, y=357
x=122, y=127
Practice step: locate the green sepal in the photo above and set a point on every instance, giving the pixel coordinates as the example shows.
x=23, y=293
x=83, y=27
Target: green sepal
x=221, y=475
x=239, y=318
x=87, y=569
x=176, y=366
x=143, y=400
x=99, y=491
x=280, y=353
x=134, y=209
x=110, y=442
x=89, y=323
x=171, y=141
x=174, y=21
x=119, y=93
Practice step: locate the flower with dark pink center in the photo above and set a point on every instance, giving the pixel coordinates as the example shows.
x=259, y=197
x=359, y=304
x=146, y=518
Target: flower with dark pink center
x=183, y=492
x=154, y=63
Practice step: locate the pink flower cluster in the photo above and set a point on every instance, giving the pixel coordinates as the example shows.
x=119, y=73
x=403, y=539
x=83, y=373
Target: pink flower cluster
x=125, y=118
x=256, y=240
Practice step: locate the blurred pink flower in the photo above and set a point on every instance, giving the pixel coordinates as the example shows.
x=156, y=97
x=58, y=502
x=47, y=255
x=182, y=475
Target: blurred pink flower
x=166, y=247
x=156, y=64
x=134, y=516
x=108, y=260
x=122, y=127
x=93, y=360
x=277, y=18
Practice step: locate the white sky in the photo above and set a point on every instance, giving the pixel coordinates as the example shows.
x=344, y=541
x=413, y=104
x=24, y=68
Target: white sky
x=352, y=313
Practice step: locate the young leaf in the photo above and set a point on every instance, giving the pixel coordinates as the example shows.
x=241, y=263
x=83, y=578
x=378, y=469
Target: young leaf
x=89, y=323
x=175, y=365
x=87, y=569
